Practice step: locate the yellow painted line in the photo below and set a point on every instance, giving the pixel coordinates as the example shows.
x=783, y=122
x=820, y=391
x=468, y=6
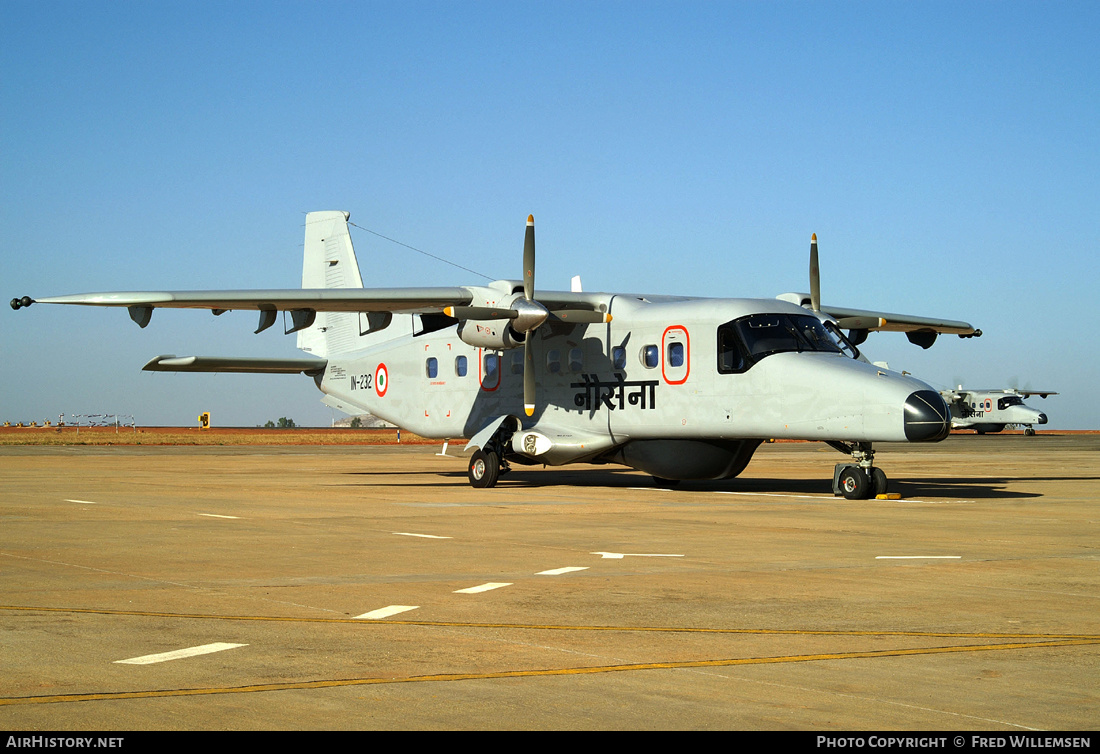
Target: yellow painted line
x=335, y=683
x=558, y=627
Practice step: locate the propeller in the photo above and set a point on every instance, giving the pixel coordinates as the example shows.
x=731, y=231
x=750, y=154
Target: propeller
x=529, y=297
x=845, y=323
x=526, y=315
x=815, y=277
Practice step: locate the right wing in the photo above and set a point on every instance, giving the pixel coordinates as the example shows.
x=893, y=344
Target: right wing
x=172, y=363
x=302, y=304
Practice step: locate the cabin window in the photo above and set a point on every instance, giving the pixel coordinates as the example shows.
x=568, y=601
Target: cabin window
x=492, y=364
x=432, y=367
x=618, y=357
x=460, y=366
x=576, y=360
x=553, y=361
x=517, y=362
x=675, y=354
x=651, y=356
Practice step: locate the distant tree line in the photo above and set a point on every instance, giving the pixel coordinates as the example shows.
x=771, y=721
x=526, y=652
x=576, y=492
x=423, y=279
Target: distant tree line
x=283, y=423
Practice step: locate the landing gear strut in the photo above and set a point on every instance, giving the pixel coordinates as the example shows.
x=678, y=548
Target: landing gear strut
x=860, y=479
x=488, y=464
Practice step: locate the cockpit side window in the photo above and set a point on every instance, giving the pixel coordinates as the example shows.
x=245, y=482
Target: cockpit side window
x=846, y=346
x=731, y=351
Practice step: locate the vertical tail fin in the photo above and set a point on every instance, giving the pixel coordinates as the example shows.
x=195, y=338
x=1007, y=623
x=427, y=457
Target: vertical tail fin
x=329, y=262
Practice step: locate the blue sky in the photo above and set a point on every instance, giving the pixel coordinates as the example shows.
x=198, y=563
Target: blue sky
x=946, y=154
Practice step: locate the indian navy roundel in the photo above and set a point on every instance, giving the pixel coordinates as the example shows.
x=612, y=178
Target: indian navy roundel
x=381, y=380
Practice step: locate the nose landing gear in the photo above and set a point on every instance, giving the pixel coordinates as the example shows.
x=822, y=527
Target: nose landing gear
x=859, y=479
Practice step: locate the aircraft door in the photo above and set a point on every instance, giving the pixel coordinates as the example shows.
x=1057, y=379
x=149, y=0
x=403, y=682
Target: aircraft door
x=675, y=355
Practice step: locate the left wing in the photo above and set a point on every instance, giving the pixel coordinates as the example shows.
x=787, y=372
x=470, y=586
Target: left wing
x=921, y=331
x=899, y=322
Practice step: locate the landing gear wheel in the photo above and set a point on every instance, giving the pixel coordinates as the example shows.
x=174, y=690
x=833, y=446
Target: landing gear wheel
x=854, y=484
x=663, y=483
x=484, y=469
x=1029, y=431
x=878, y=482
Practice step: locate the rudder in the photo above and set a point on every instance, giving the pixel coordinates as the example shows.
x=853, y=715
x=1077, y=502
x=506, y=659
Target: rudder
x=329, y=262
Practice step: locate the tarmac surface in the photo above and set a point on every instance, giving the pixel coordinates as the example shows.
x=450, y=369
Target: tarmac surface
x=263, y=588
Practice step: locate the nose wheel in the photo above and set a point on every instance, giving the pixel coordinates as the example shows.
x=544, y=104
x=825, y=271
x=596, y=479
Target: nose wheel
x=858, y=479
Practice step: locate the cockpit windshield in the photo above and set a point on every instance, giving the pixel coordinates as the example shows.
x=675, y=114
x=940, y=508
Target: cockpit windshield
x=745, y=341
x=765, y=334
x=1012, y=400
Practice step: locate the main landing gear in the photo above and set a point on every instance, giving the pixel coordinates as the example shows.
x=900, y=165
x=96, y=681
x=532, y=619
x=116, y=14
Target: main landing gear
x=860, y=479
x=488, y=464
x=484, y=468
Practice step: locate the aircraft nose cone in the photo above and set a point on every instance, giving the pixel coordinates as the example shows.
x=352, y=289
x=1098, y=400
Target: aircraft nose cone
x=1042, y=418
x=926, y=417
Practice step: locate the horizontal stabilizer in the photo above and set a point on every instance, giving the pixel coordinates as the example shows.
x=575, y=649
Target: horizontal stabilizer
x=172, y=363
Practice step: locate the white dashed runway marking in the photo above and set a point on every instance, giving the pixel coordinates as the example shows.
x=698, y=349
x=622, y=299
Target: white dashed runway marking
x=483, y=588
x=178, y=654
x=385, y=612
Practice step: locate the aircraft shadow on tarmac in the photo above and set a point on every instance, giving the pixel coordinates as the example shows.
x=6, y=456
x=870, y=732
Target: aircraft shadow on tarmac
x=965, y=488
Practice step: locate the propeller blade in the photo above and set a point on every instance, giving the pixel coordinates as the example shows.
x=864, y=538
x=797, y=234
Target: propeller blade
x=528, y=377
x=581, y=316
x=529, y=260
x=815, y=276
x=479, y=312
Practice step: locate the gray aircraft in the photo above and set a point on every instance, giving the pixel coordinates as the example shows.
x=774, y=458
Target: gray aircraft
x=678, y=387
x=993, y=410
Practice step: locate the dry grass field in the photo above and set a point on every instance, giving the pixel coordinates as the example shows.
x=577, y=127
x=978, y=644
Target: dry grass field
x=71, y=435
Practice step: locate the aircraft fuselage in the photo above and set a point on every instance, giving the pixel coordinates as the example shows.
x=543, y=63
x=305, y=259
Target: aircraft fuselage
x=660, y=370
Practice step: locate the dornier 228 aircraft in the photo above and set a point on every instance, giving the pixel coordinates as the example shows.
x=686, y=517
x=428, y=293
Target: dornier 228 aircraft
x=680, y=388
x=992, y=410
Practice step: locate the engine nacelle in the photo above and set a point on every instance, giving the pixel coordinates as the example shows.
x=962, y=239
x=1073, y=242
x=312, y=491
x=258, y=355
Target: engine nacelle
x=497, y=336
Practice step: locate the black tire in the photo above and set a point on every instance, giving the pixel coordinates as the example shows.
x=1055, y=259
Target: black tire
x=854, y=484
x=1029, y=432
x=484, y=469
x=667, y=484
x=879, y=483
